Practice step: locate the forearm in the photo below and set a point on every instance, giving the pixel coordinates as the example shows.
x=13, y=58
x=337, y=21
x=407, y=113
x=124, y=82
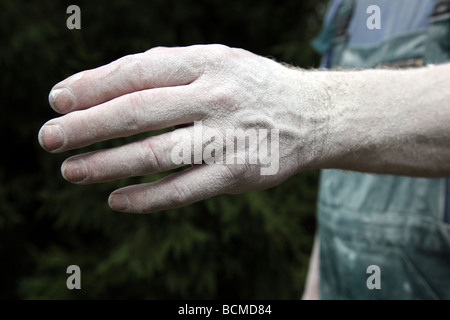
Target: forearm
x=388, y=121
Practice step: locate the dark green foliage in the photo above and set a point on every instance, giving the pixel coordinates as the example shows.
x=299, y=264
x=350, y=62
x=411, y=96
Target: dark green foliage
x=254, y=245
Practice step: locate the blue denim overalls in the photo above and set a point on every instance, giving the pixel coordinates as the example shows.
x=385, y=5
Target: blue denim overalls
x=398, y=223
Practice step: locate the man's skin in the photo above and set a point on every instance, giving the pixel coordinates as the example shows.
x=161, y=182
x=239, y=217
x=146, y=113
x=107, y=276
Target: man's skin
x=379, y=121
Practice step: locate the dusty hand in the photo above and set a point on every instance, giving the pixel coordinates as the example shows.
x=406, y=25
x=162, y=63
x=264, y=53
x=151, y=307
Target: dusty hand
x=214, y=86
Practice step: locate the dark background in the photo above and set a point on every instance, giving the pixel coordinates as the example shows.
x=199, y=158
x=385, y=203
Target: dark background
x=250, y=246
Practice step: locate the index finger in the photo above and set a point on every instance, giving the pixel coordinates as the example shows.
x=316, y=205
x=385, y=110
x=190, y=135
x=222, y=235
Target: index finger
x=157, y=67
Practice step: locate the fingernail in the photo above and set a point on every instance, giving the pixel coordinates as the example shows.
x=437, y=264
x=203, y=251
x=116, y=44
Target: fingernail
x=61, y=100
x=74, y=170
x=119, y=202
x=51, y=137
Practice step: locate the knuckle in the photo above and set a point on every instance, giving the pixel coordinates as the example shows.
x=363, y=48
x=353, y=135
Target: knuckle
x=240, y=173
x=152, y=160
x=211, y=50
x=155, y=49
x=214, y=56
x=180, y=193
x=136, y=103
x=132, y=64
x=222, y=95
x=220, y=49
x=222, y=98
x=136, y=66
x=137, y=99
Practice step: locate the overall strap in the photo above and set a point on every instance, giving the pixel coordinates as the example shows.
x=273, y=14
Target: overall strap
x=438, y=42
x=337, y=26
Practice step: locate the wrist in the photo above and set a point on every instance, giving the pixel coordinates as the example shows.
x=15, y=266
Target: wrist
x=317, y=114
x=350, y=133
